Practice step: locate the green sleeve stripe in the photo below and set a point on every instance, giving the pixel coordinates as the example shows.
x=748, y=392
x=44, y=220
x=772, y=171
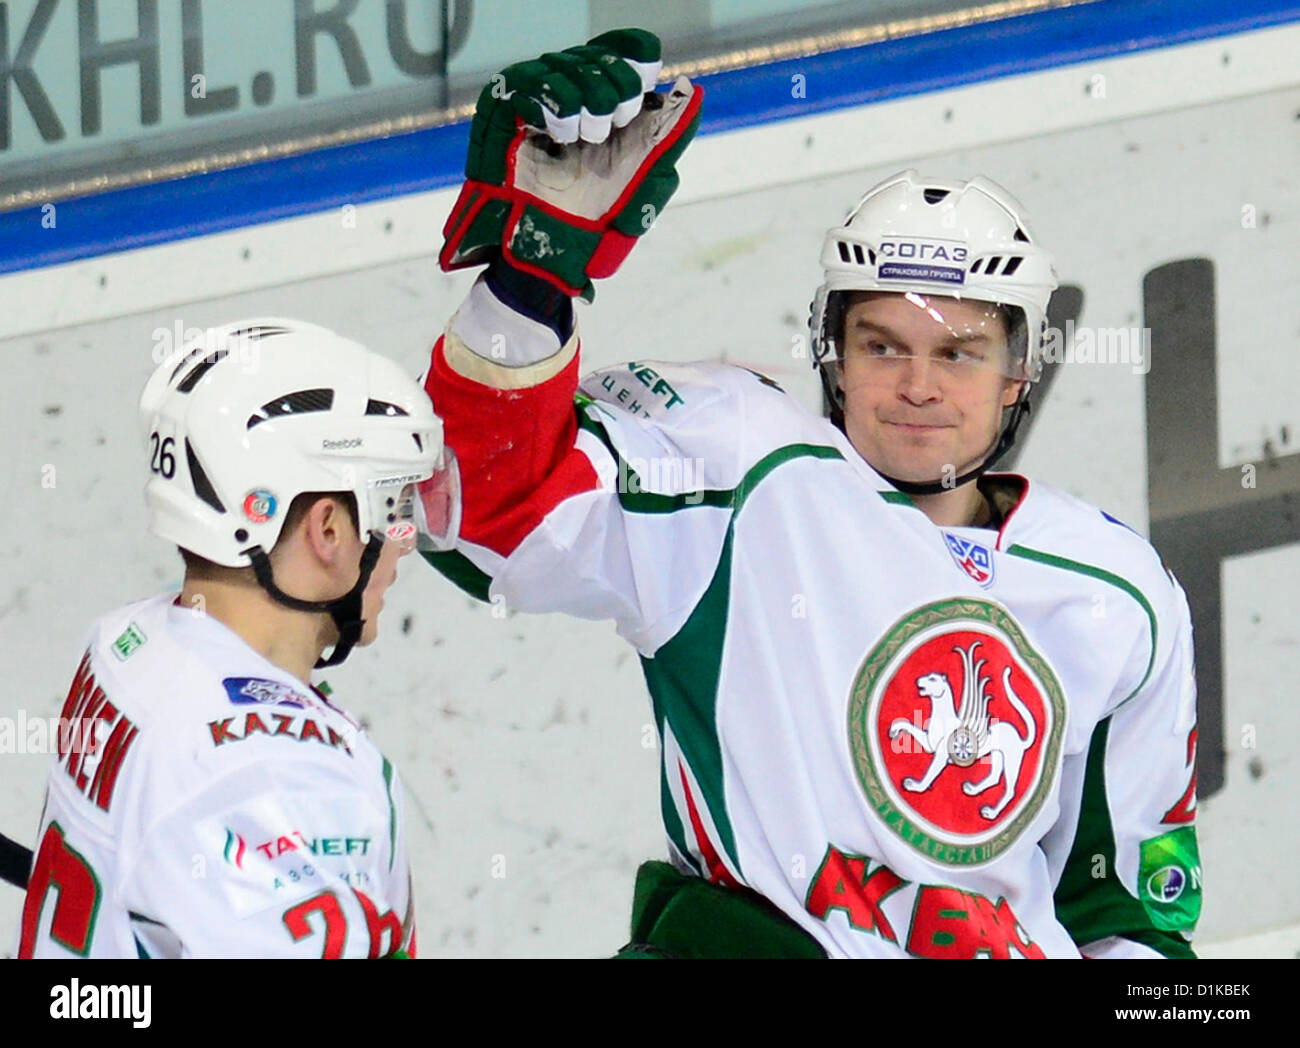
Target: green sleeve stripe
x=642, y=501
x=392, y=812
x=760, y=470
x=1090, y=899
x=636, y=499
x=1107, y=577
x=459, y=569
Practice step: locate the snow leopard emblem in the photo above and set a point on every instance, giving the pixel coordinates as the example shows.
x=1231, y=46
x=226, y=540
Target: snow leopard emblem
x=955, y=724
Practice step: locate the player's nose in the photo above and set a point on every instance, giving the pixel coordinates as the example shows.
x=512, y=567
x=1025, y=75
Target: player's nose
x=918, y=380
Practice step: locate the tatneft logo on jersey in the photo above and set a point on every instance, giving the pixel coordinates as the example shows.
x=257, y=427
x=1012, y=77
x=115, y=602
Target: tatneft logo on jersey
x=916, y=258
x=287, y=859
x=237, y=848
x=973, y=558
x=955, y=724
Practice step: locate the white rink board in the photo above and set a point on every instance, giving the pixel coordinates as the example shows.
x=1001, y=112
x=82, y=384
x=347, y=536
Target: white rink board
x=523, y=741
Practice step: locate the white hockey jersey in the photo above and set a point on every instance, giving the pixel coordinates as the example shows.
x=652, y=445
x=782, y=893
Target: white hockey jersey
x=206, y=803
x=914, y=740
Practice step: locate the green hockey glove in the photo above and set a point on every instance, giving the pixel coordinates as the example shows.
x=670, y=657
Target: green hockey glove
x=571, y=159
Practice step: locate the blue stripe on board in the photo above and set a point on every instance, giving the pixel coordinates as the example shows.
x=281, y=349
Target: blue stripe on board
x=425, y=160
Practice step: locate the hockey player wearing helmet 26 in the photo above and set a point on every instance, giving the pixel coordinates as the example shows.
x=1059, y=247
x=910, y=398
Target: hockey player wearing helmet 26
x=249, y=450
x=209, y=801
x=904, y=703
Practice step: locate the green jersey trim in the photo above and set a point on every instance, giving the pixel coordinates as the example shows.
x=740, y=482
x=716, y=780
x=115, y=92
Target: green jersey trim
x=682, y=678
x=1109, y=577
x=684, y=672
x=459, y=570
x=635, y=499
x=897, y=498
x=1091, y=902
x=392, y=812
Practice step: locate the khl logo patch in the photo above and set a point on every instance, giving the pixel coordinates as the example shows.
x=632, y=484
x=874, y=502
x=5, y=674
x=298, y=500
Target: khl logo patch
x=974, y=559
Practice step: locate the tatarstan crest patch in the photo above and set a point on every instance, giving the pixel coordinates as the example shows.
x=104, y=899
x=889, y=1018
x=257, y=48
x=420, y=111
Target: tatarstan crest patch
x=955, y=726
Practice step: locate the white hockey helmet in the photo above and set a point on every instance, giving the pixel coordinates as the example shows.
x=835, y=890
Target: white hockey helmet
x=938, y=237
x=254, y=413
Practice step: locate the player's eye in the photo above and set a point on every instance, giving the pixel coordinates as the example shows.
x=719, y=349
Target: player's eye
x=960, y=355
x=881, y=349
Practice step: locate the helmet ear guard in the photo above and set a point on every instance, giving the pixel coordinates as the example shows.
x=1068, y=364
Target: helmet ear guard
x=936, y=238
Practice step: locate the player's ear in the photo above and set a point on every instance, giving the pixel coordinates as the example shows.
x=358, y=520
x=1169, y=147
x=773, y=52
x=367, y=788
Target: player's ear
x=331, y=527
x=314, y=527
x=1011, y=392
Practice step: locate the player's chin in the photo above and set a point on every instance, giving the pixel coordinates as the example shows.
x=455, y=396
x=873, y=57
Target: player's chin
x=919, y=465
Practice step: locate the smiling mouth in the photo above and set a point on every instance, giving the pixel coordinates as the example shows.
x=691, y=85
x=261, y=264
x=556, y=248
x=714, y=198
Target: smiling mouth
x=915, y=427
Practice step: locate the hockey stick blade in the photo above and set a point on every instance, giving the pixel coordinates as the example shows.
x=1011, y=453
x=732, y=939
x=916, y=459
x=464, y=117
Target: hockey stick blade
x=15, y=862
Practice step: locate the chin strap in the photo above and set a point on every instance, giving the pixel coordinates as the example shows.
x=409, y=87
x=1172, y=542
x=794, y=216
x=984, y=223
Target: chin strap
x=344, y=610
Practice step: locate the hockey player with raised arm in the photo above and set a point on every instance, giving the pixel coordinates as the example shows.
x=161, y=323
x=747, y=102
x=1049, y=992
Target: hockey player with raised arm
x=207, y=800
x=907, y=706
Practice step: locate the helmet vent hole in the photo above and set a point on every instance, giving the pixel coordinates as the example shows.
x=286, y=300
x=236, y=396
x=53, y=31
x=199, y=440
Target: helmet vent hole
x=300, y=403
x=418, y=442
x=844, y=251
x=934, y=196
x=857, y=254
x=992, y=268
x=199, y=370
x=977, y=265
x=1020, y=235
x=380, y=407
x=258, y=331
x=1012, y=265
x=202, y=486
x=184, y=360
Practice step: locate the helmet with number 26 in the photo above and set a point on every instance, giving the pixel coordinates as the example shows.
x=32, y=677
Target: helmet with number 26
x=254, y=413
x=934, y=240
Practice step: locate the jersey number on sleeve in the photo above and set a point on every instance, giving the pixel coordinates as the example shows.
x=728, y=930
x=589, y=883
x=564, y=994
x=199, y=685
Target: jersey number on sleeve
x=62, y=867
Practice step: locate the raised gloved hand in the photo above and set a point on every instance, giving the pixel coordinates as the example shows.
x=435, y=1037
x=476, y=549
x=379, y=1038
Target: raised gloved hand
x=570, y=161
